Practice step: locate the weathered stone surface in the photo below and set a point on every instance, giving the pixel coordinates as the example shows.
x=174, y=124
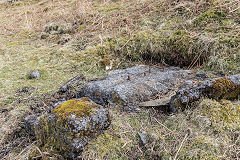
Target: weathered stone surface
x=131, y=86
x=29, y=122
x=143, y=137
x=69, y=126
x=220, y=88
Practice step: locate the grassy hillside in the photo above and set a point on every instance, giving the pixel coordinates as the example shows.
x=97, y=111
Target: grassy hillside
x=65, y=38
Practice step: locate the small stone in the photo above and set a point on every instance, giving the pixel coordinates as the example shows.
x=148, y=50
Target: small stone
x=34, y=75
x=143, y=138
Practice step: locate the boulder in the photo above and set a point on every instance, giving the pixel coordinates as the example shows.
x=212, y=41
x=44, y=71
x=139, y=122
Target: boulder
x=129, y=87
x=219, y=88
x=69, y=126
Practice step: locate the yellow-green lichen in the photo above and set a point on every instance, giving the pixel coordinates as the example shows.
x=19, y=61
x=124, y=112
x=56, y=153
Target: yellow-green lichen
x=224, y=88
x=77, y=107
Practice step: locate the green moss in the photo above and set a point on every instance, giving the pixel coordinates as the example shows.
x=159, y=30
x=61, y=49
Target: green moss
x=210, y=16
x=77, y=107
x=203, y=147
x=223, y=115
x=224, y=88
x=227, y=64
x=50, y=136
x=183, y=48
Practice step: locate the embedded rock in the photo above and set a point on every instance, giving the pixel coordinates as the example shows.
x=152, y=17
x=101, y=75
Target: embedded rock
x=143, y=137
x=129, y=87
x=34, y=75
x=70, y=126
x=219, y=88
x=29, y=123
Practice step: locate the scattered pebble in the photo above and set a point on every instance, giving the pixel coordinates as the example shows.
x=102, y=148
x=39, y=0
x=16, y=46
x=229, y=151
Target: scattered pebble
x=34, y=75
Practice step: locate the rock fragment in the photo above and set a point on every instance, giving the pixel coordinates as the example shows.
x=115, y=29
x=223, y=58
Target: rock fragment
x=143, y=137
x=156, y=103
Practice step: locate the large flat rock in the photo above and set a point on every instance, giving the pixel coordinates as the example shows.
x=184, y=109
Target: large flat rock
x=129, y=87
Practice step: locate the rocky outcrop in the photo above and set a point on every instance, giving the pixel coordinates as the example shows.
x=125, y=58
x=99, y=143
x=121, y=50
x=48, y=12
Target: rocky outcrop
x=131, y=86
x=220, y=88
x=69, y=126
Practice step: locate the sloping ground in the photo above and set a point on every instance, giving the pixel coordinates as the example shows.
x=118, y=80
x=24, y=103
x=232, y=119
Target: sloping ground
x=93, y=34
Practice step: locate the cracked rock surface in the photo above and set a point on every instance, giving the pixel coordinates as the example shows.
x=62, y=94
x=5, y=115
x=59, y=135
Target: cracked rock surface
x=129, y=87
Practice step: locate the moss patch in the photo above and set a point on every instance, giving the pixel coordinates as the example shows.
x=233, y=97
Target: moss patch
x=77, y=107
x=223, y=114
x=209, y=16
x=224, y=88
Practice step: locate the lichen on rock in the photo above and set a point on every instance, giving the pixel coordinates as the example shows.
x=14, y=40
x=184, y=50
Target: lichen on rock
x=220, y=88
